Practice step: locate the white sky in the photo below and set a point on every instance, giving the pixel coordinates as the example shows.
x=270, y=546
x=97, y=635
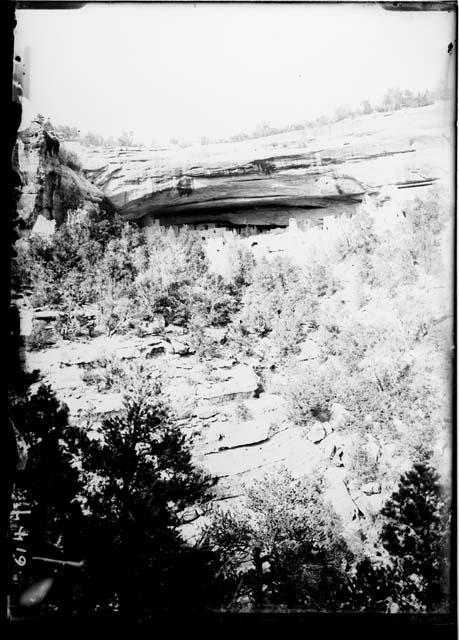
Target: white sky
x=189, y=70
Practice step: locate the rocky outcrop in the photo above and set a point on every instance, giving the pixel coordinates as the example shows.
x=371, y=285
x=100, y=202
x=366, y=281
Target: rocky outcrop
x=242, y=383
x=371, y=488
x=220, y=436
x=52, y=184
x=317, y=433
x=222, y=187
x=304, y=175
x=239, y=432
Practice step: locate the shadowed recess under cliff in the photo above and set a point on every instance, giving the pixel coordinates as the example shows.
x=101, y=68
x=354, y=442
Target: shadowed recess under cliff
x=264, y=182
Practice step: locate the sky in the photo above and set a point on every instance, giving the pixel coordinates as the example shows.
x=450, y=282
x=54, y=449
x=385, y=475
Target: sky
x=185, y=71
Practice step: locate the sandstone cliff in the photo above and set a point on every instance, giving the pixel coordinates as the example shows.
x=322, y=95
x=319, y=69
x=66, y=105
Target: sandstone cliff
x=234, y=445
x=267, y=181
x=52, y=183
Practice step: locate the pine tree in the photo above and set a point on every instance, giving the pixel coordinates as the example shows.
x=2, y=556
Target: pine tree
x=48, y=478
x=138, y=476
x=285, y=549
x=415, y=536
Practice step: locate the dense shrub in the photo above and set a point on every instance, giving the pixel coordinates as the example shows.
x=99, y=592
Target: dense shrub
x=242, y=264
x=63, y=271
x=111, y=494
x=106, y=374
x=205, y=346
x=39, y=337
x=262, y=302
x=359, y=237
x=285, y=546
x=129, y=277
x=175, y=266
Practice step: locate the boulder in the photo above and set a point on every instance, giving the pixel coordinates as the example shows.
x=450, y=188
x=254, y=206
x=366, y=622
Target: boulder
x=288, y=448
x=339, y=496
x=181, y=348
x=190, y=514
x=242, y=385
x=155, y=350
x=370, y=504
x=338, y=416
x=44, y=227
x=229, y=436
x=317, y=433
x=371, y=488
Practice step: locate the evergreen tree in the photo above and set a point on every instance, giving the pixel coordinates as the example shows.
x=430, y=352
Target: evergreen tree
x=48, y=479
x=416, y=535
x=137, y=477
x=111, y=496
x=49, y=485
x=416, y=539
x=285, y=549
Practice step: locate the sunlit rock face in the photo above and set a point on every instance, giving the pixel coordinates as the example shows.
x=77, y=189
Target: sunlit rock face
x=50, y=188
x=302, y=175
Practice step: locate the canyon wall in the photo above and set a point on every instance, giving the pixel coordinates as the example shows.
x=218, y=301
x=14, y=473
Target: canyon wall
x=267, y=181
x=52, y=184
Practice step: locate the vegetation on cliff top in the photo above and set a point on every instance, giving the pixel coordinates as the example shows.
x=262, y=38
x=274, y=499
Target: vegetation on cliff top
x=393, y=100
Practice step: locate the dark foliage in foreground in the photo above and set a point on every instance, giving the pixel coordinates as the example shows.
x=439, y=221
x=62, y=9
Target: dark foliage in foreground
x=113, y=496
x=286, y=550
x=114, y=502
x=416, y=537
